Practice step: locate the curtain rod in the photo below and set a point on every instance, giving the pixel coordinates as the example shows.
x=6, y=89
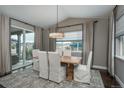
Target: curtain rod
x=22, y=22
x=69, y=25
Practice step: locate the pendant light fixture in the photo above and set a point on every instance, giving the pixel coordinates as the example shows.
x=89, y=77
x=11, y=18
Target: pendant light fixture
x=57, y=35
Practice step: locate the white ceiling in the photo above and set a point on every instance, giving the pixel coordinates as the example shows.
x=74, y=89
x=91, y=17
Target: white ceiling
x=45, y=15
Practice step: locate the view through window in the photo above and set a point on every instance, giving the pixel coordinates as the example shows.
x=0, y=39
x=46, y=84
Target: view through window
x=71, y=41
x=22, y=44
x=120, y=50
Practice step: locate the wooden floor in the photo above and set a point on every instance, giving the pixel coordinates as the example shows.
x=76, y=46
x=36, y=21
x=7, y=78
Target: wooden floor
x=109, y=81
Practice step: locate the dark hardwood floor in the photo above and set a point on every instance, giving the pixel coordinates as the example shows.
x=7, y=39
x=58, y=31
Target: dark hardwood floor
x=1, y=86
x=109, y=81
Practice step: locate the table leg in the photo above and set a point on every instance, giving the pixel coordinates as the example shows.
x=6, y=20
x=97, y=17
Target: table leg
x=70, y=68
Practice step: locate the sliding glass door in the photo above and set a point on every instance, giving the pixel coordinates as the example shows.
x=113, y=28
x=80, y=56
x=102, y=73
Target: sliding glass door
x=22, y=42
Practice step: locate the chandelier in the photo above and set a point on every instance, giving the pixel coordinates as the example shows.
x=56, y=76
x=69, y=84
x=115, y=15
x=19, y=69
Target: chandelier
x=56, y=34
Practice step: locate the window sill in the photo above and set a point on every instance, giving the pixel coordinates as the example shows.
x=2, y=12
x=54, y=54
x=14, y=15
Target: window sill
x=120, y=57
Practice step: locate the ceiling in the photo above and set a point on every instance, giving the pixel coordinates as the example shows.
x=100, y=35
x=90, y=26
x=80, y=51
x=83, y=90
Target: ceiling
x=45, y=15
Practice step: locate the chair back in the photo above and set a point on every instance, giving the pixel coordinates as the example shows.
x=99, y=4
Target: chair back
x=89, y=60
x=54, y=60
x=56, y=72
x=67, y=53
x=35, y=53
x=60, y=51
x=43, y=64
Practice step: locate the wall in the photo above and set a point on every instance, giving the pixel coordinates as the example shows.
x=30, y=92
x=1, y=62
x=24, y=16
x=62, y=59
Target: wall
x=101, y=39
x=119, y=70
x=100, y=44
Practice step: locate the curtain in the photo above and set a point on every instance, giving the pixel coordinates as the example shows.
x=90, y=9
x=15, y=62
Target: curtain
x=45, y=37
x=111, y=46
x=88, y=40
x=5, y=66
x=52, y=41
x=38, y=38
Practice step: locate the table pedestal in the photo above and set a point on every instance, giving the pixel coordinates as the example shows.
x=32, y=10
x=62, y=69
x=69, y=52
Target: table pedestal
x=70, y=72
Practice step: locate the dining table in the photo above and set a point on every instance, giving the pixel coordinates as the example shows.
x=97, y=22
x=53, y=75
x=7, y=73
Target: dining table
x=70, y=61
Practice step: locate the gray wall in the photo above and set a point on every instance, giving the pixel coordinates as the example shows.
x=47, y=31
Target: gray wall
x=101, y=39
x=100, y=44
x=119, y=68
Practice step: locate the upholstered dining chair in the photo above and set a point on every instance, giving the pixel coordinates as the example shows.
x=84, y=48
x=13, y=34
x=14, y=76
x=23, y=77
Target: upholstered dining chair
x=82, y=72
x=57, y=73
x=67, y=53
x=60, y=51
x=43, y=64
x=35, y=59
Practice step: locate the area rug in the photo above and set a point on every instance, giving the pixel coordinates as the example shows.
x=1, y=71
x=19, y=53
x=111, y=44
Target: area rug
x=30, y=79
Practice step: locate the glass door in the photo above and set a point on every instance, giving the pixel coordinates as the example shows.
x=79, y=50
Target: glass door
x=22, y=43
x=29, y=45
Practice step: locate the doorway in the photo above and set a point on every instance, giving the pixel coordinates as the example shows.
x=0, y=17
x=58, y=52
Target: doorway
x=22, y=44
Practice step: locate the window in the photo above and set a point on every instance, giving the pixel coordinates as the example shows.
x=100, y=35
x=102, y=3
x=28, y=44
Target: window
x=71, y=41
x=120, y=46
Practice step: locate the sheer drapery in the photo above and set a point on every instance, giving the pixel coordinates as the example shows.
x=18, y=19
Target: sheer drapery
x=111, y=46
x=5, y=66
x=88, y=40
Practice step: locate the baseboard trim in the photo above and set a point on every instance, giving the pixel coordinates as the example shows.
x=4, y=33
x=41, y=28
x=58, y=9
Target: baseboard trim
x=99, y=67
x=119, y=81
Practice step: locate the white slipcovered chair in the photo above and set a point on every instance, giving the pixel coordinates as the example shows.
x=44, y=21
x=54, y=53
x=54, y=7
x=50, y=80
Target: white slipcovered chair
x=57, y=73
x=67, y=53
x=43, y=64
x=82, y=72
x=60, y=51
x=35, y=59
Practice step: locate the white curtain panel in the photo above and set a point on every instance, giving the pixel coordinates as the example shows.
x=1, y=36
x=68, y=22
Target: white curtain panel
x=38, y=38
x=111, y=50
x=5, y=66
x=111, y=45
x=88, y=40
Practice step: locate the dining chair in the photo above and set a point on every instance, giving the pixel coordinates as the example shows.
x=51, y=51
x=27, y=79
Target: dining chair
x=57, y=72
x=67, y=53
x=82, y=72
x=43, y=64
x=35, y=59
x=60, y=51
